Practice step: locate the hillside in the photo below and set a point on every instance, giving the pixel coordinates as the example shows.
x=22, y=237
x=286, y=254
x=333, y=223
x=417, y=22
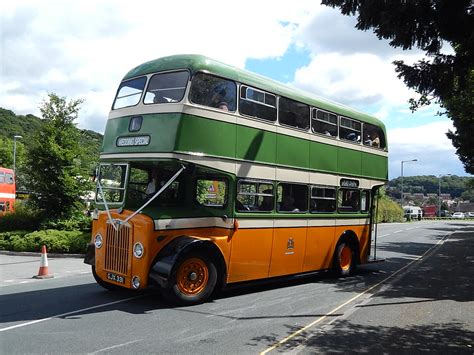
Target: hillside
x=26, y=125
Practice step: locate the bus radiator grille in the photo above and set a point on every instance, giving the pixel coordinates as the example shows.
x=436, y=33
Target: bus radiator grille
x=117, y=248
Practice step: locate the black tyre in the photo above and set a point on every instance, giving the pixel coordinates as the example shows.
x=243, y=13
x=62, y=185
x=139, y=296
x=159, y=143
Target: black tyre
x=344, y=259
x=193, y=279
x=104, y=284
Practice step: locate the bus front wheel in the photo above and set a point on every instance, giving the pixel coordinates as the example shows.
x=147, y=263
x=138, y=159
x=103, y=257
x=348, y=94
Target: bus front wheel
x=344, y=259
x=192, y=280
x=104, y=284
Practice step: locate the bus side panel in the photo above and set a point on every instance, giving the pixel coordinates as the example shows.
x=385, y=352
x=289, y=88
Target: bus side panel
x=374, y=165
x=319, y=248
x=288, y=251
x=322, y=157
x=250, y=255
x=211, y=137
x=255, y=145
x=292, y=151
x=349, y=161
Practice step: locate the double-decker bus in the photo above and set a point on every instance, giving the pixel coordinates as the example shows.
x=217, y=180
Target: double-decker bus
x=7, y=190
x=211, y=175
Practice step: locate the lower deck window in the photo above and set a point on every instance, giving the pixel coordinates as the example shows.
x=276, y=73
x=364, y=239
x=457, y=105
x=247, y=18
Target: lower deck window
x=211, y=193
x=323, y=199
x=254, y=196
x=348, y=200
x=292, y=198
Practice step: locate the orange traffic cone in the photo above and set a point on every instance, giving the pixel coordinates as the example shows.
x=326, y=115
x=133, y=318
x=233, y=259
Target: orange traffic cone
x=43, y=272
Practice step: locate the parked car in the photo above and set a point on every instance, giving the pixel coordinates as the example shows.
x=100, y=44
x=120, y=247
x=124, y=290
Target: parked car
x=470, y=215
x=458, y=215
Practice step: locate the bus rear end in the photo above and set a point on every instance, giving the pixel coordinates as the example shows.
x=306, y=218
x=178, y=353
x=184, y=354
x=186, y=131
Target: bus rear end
x=7, y=190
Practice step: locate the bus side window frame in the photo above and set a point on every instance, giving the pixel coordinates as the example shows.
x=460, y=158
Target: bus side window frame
x=212, y=178
x=256, y=194
x=189, y=92
x=358, y=138
x=314, y=117
x=325, y=187
x=244, y=100
x=343, y=208
x=296, y=116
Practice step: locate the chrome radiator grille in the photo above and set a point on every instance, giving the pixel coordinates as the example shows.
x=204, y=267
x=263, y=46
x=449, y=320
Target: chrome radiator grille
x=117, y=248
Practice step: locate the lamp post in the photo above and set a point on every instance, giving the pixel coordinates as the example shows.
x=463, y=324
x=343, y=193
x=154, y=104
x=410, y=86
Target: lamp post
x=15, y=137
x=405, y=161
x=439, y=193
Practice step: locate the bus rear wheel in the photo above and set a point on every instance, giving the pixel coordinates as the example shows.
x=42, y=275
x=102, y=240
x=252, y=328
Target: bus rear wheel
x=193, y=279
x=344, y=259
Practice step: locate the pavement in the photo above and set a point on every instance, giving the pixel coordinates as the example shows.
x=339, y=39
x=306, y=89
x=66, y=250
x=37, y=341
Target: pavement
x=432, y=306
x=19, y=268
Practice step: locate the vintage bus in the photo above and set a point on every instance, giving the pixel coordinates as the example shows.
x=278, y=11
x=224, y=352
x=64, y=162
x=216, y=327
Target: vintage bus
x=7, y=190
x=211, y=175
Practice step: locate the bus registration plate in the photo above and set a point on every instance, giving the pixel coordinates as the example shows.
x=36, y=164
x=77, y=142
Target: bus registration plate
x=116, y=278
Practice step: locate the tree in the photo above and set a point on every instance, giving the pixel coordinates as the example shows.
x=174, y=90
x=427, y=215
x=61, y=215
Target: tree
x=446, y=79
x=54, y=160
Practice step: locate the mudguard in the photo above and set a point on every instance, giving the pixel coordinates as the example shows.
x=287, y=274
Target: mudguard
x=89, y=258
x=165, y=260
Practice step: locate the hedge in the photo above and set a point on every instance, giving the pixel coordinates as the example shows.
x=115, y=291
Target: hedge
x=56, y=241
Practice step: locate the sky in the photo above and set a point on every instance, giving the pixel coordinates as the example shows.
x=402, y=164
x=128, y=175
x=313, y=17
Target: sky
x=82, y=49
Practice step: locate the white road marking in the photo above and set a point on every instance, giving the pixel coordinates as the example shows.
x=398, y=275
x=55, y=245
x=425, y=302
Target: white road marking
x=320, y=319
x=68, y=313
x=114, y=347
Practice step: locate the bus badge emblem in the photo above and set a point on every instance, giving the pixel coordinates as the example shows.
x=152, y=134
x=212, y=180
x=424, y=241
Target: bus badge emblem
x=290, y=246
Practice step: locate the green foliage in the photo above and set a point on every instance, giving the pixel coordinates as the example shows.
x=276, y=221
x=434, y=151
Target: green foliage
x=56, y=241
x=27, y=126
x=388, y=210
x=24, y=218
x=453, y=185
x=447, y=79
x=79, y=222
x=55, y=160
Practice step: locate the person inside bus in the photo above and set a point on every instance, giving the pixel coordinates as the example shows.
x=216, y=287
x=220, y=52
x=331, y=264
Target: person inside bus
x=267, y=201
x=375, y=139
x=288, y=204
x=152, y=186
x=219, y=96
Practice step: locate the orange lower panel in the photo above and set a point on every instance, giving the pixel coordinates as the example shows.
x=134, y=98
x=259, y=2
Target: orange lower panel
x=250, y=255
x=319, y=248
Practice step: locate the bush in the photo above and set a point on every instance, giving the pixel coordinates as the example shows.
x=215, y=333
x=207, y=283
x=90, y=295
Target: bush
x=24, y=218
x=78, y=222
x=6, y=239
x=389, y=211
x=56, y=241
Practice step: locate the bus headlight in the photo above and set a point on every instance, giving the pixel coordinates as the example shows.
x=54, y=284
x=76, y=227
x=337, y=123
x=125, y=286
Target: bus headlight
x=136, y=282
x=138, y=250
x=98, y=241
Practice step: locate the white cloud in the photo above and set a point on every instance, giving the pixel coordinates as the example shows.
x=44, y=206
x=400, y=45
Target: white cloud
x=429, y=145
x=84, y=51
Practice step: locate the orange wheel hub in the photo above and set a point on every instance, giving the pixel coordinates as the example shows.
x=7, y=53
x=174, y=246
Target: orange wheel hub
x=346, y=258
x=192, y=276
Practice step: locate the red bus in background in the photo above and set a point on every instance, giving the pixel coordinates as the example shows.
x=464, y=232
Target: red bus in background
x=7, y=190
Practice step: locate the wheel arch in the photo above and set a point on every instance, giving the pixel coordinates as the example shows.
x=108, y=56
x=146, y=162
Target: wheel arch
x=164, y=262
x=350, y=237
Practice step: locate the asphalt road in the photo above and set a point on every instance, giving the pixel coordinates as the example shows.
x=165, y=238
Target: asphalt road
x=420, y=299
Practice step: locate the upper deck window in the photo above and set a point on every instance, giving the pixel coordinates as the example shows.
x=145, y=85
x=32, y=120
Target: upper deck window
x=293, y=113
x=212, y=91
x=257, y=103
x=129, y=93
x=373, y=136
x=324, y=122
x=349, y=129
x=166, y=87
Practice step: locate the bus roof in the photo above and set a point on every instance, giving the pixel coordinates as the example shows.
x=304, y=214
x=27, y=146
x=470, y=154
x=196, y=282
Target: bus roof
x=197, y=63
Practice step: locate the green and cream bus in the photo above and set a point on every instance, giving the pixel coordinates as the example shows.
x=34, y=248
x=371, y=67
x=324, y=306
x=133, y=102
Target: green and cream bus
x=211, y=175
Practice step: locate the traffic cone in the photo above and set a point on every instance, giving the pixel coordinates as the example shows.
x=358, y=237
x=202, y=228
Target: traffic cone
x=43, y=272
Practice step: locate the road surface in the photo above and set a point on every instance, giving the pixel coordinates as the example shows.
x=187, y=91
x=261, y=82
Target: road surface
x=419, y=299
